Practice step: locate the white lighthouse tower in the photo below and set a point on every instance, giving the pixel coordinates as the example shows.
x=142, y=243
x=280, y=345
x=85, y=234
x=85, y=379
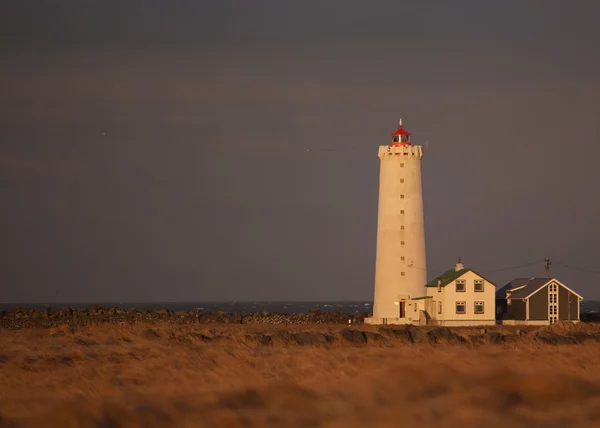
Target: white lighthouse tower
x=400, y=269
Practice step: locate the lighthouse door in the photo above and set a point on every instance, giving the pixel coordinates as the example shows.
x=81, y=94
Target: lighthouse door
x=402, y=307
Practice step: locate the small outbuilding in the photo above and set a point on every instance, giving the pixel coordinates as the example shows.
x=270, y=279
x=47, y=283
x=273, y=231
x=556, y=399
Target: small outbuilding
x=537, y=301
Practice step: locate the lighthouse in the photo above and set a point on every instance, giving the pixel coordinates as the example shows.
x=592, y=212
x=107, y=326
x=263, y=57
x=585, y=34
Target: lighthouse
x=400, y=267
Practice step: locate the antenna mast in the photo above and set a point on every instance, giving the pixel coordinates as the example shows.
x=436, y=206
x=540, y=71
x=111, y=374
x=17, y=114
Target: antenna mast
x=547, y=264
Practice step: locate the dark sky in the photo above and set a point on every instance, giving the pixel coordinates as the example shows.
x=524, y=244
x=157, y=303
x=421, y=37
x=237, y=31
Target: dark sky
x=157, y=150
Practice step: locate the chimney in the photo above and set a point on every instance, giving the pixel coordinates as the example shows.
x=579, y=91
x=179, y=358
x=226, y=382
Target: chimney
x=459, y=265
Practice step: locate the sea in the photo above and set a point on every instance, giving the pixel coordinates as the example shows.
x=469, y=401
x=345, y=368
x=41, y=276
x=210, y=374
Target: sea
x=350, y=307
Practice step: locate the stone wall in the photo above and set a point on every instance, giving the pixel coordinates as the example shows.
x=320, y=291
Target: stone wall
x=47, y=318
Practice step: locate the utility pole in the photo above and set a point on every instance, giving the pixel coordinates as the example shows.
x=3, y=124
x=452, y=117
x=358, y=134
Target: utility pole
x=547, y=264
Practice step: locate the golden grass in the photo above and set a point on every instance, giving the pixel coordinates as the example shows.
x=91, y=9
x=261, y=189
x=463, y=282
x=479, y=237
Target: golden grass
x=124, y=375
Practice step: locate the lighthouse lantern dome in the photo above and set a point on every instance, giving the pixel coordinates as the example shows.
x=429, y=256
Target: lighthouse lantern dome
x=400, y=137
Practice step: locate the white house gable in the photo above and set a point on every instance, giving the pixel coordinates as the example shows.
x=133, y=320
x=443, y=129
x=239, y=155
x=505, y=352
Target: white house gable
x=469, y=299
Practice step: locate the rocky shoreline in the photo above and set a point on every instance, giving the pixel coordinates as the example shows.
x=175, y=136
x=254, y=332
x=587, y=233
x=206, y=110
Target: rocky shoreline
x=49, y=318
x=400, y=334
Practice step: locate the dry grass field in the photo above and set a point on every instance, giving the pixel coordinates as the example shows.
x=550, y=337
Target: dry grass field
x=183, y=376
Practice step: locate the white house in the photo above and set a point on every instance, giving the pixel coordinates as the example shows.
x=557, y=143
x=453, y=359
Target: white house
x=460, y=297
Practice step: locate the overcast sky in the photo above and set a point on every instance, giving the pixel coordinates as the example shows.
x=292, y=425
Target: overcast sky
x=156, y=150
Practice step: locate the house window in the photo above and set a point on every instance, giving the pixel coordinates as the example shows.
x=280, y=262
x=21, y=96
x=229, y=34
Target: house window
x=479, y=285
x=401, y=211
x=401, y=196
x=440, y=308
x=401, y=165
x=401, y=273
x=401, y=227
x=402, y=258
x=461, y=307
x=415, y=307
x=460, y=285
x=478, y=307
x=401, y=242
x=402, y=180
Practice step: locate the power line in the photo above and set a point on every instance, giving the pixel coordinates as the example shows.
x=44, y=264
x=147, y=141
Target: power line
x=526, y=265
x=493, y=270
x=577, y=268
x=513, y=267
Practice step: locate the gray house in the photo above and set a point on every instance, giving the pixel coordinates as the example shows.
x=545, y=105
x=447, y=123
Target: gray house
x=537, y=301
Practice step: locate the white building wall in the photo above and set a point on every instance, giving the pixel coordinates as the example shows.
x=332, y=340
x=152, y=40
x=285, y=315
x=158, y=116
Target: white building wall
x=449, y=297
x=400, y=269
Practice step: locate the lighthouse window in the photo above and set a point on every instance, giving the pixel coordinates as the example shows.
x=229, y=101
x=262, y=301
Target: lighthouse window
x=395, y=139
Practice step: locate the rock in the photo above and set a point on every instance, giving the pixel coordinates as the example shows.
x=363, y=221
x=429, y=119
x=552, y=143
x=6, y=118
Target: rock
x=582, y=337
x=493, y=337
x=85, y=341
x=150, y=333
x=265, y=339
x=355, y=336
x=283, y=337
x=402, y=335
x=374, y=337
x=310, y=338
x=444, y=334
x=417, y=335
x=554, y=339
x=476, y=339
x=511, y=338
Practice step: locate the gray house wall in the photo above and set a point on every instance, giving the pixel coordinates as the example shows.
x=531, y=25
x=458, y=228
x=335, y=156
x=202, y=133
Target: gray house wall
x=567, y=310
x=516, y=309
x=538, y=305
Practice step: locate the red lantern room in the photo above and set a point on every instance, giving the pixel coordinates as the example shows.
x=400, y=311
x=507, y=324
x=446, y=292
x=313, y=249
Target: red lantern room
x=401, y=137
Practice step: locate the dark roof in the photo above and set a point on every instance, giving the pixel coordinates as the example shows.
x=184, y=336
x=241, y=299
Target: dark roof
x=517, y=282
x=529, y=286
x=447, y=277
